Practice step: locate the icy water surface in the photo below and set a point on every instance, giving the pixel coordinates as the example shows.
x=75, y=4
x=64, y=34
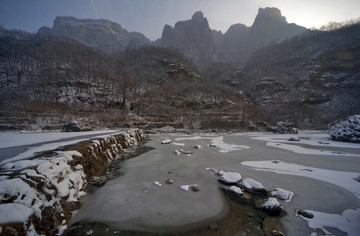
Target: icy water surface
x=140, y=200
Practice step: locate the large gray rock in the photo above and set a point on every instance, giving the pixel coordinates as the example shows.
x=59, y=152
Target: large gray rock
x=346, y=130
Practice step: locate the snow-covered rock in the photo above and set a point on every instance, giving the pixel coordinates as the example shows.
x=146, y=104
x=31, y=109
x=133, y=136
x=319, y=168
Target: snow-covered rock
x=272, y=206
x=252, y=185
x=282, y=194
x=189, y=187
x=166, y=141
x=169, y=181
x=230, y=178
x=236, y=189
x=346, y=130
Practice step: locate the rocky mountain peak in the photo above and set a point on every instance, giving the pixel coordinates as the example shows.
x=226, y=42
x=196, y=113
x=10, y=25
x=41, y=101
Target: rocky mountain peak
x=191, y=37
x=198, y=16
x=237, y=29
x=270, y=13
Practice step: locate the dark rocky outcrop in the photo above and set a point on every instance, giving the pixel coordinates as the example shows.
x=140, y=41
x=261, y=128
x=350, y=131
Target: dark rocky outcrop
x=305, y=214
x=345, y=130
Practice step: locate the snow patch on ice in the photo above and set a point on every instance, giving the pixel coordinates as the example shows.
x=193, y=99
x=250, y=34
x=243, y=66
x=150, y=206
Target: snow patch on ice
x=343, y=179
x=191, y=138
x=157, y=183
x=217, y=142
x=347, y=222
x=307, y=151
x=224, y=147
x=179, y=144
x=312, y=138
x=282, y=194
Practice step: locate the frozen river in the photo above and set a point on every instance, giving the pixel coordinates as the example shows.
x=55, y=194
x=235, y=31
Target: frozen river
x=324, y=176
x=23, y=145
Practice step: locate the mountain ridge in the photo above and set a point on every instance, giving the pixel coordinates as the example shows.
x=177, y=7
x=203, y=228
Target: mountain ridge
x=101, y=33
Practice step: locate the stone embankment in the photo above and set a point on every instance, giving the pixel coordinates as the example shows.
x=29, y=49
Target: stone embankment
x=39, y=196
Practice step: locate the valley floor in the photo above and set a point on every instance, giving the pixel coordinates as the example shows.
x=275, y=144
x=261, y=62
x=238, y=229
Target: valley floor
x=323, y=175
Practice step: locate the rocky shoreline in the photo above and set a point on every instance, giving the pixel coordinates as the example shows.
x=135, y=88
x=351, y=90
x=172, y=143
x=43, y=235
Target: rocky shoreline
x=43, y=193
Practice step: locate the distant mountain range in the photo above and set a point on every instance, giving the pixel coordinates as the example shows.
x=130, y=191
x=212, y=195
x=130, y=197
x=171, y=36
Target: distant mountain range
x=192, y=77
x=197, y=41
x=194, y=38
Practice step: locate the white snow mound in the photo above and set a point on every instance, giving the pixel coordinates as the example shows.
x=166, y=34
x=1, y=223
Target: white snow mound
x=230, y=177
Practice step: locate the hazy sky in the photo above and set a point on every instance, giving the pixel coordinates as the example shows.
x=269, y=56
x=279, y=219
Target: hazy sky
x=149, y=16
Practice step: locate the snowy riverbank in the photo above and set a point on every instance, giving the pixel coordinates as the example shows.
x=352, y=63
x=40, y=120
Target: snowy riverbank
x=40, y=195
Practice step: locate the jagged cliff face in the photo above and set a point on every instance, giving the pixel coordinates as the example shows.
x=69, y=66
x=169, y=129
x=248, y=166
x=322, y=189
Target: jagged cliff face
x=103, y=34
x=270, y=26
x=239, y=41
x=192, y=37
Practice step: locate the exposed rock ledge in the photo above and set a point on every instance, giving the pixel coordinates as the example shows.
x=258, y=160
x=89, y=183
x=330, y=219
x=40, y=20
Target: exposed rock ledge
x=39, y=196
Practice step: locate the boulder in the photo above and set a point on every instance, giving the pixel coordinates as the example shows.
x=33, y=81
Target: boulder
x=76, y=126
x=169, y=181
x=230, y=178
x=305, y=214
x=166, y=141
x=346, y=130
x=284, y=128
x=236, y=190
x=272, y=206
x=252, y=186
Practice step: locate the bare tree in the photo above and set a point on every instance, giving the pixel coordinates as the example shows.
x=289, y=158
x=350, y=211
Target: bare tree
x=126, y=86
